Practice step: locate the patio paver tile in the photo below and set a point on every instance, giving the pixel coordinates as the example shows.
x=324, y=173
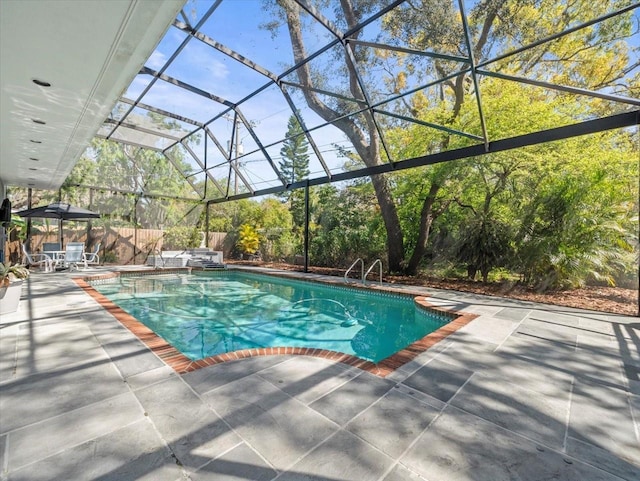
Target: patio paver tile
x=400, y=473
x=459, y=446
x=393, y=423
x=548, y=354
x=601, y=415
x=438, y=379
x=134, y=452
x=54, y=435
x=604, y=459
x=194, y=433
x=308, y=378
x=276, y=425
x=343, y=456
x=131, y=356
x=595, y=324
x=239, y=463
x=549, y=329
x=469, y=352
x=513, y=313
x=537, y=416
x=38, y=397
x=3, y=459
x=53, y=345
x=212, y=377
x=555, y=317
x=149, y=377
x=8, y=340
x=490, y=329
x=353, y=397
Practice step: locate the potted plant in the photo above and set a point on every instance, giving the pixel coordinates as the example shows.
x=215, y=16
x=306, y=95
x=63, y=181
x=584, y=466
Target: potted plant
x=11, y=279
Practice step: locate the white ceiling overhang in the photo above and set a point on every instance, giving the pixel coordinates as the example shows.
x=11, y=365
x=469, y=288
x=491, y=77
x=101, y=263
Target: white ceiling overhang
x=89, y=51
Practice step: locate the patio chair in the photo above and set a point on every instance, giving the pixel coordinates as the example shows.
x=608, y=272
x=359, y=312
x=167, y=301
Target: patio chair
x=51, y=246
x=43, y=261
x=92, y=257
x=73, y=255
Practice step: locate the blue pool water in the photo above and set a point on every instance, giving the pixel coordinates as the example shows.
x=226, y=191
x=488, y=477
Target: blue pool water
x=215, y=312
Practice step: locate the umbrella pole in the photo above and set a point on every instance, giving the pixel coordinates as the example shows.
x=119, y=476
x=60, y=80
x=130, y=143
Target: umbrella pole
x=28, y=239
x=60, y=232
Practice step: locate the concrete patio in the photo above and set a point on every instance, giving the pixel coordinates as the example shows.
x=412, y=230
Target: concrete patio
x=523, y=392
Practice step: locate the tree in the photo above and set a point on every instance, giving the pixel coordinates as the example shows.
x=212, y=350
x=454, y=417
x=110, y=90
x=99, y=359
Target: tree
x=294, y=166
x=360, y=130
x=346, y=226
x=275, y=224
x=592, y=58
x=578, y=225
x=132, y=174
x=484, y=246
x=485, y=206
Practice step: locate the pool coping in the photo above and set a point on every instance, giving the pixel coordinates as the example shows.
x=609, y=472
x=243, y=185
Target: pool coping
x=181, y=364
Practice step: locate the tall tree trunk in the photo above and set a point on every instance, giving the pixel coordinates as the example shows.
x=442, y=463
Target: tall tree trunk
x=395, y=239
x=364, y=139
x=426, y=220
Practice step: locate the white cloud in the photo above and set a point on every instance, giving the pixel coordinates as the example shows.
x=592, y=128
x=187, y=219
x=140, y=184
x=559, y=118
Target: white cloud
x=157, y=60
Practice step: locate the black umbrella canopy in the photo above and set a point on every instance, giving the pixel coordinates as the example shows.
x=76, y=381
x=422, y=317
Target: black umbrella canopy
x=59, y=210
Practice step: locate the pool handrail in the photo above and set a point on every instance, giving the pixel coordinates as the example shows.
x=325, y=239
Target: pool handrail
x=352, y=266
x=377, y=261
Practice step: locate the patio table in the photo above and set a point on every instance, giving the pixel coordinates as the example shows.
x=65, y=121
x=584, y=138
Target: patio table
x=56, y=256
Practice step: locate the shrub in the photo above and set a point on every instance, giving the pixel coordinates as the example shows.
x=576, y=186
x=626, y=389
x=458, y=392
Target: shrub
x=181, y=237
x=249, y=240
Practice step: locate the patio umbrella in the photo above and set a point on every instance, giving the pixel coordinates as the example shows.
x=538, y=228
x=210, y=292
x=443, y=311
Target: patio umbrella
x=60, y=211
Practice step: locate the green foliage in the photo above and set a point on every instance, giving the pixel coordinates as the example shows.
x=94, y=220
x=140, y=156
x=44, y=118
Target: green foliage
x=181, y=237
x=221, y=217
x=561, y=213
x=249, y=240
x=109, y=257
x=132, y=173
x=271, y=220
x=294, y=164
x=484, y=245
x=346, y=226
x=17, y=227
x=577, y=229
x=10, y=273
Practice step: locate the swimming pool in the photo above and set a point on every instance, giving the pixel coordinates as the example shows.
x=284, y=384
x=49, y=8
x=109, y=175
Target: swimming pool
x=209, y=313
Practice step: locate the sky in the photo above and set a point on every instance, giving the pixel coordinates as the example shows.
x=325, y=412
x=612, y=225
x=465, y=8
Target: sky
x=240, y=26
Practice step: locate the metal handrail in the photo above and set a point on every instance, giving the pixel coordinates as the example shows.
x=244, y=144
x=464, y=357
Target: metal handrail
x=377, y=261
x=352, y=266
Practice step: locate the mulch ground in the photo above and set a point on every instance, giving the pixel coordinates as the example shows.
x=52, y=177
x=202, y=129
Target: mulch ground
x=615, y=300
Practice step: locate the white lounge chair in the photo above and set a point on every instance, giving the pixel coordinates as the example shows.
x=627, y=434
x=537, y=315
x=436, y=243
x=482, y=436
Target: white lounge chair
x=92, y=257
x=43, y=261
x=73, y=255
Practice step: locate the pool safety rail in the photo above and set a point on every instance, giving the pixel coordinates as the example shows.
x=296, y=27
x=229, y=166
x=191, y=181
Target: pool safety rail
x=346, y=274
x=377, y=261
x=363, y=275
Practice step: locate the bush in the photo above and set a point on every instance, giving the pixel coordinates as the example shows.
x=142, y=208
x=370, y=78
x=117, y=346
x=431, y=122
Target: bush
x=179, y=238
x=249, y=240
x=109, y=257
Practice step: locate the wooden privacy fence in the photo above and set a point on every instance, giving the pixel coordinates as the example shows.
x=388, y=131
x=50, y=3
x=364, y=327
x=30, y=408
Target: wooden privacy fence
x=118, y=245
